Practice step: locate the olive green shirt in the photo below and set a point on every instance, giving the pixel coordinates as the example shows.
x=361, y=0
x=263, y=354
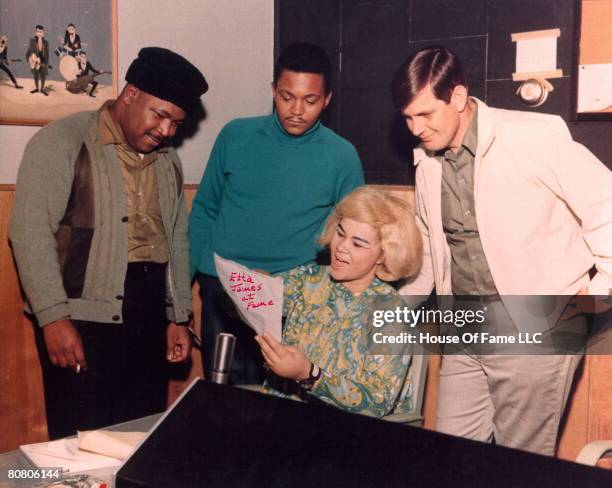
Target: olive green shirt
x=470, y=273
x=146, y=237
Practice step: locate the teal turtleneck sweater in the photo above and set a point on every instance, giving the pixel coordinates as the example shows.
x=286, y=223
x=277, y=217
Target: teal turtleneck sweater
x=265, y=194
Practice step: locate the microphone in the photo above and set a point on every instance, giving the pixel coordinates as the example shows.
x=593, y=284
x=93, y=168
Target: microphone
x=224, y=354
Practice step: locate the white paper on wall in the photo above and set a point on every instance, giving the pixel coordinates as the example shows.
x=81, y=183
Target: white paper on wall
x=594, y=87
x=534, y=55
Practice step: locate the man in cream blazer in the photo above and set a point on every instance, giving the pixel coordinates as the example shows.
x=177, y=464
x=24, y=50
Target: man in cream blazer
x=508, y=204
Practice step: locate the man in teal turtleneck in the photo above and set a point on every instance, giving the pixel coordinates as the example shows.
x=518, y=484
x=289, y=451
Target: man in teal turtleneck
x=269, y=185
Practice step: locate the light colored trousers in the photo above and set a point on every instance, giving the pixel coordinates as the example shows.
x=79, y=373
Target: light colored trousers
x=518, y=400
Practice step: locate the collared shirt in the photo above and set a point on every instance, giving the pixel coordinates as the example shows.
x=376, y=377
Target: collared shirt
x=327, y=322
x=146, y=237
x=470, y=273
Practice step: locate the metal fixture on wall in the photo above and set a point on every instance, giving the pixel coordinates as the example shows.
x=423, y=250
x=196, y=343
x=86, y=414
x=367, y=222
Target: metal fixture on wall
x=534, y=92
x=536, y=60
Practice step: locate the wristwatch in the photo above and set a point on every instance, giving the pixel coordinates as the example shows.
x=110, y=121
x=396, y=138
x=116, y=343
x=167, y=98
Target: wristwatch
x=313, y=376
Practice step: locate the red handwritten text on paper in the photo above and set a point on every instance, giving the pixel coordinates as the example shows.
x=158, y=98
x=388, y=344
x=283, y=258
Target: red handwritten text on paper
x=246, y=287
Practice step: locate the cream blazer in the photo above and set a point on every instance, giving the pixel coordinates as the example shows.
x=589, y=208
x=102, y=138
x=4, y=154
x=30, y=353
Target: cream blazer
x=543, y=207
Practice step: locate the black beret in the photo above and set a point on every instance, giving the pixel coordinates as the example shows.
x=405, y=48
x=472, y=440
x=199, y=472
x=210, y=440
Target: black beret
x=167, y=75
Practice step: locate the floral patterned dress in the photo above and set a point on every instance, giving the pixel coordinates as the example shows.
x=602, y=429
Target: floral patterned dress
x=331, y=326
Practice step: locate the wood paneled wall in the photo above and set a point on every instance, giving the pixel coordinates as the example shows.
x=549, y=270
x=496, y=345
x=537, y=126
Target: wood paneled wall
x=22, y=418
x=22, y=412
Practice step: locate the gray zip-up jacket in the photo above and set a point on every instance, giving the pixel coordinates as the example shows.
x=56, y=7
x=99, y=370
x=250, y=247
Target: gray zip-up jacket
x=69, y=227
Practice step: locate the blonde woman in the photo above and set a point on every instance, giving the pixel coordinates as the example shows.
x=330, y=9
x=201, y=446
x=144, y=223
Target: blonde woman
x=372, y=239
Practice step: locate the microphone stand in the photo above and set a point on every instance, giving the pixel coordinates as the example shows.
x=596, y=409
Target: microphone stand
x=224, y=354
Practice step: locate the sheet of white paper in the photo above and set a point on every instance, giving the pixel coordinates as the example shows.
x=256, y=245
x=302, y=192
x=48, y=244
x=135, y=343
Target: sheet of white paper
x=594, y=87
x=65, y=453
x=533, y=55
x=109, y=443
x=257, y=297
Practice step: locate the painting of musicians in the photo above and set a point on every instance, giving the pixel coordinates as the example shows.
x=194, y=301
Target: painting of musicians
x=56, y=58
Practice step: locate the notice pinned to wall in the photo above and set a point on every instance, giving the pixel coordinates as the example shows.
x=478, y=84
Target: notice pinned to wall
x=536, y=55
x=594, y=97
x=594, y=88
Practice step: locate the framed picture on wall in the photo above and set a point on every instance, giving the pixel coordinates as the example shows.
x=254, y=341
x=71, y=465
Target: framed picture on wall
x=594, y=80
x=56, y=58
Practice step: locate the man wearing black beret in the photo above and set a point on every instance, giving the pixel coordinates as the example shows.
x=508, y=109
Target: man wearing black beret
x=99, y=233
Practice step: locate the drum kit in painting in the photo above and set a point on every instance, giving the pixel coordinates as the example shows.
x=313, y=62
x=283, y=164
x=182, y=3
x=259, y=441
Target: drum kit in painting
x=69, y=69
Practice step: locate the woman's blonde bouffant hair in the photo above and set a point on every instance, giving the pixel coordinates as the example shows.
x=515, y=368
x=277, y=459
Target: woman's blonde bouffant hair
x=394, y=220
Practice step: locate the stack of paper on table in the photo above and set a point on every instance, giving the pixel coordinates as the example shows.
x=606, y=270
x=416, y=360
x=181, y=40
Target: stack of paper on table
x=90, y=450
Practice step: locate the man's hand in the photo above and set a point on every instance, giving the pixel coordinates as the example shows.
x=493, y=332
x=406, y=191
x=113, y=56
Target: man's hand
x=584, y=303
x=285, y=361
x=178, y=342
x=64, y=345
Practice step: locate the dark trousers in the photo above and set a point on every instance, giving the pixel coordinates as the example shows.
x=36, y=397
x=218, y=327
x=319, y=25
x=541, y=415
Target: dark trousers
x=5, y=68
x=219, y=315
x=127, y=372
x=40, y=74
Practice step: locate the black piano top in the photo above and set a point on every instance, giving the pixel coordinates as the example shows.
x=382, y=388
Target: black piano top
x=220, y=436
